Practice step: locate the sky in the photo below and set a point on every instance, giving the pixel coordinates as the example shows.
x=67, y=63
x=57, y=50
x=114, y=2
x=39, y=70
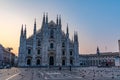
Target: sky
x=96, y=21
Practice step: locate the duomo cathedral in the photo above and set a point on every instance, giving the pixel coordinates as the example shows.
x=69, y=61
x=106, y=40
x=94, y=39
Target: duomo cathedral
x=48, y=46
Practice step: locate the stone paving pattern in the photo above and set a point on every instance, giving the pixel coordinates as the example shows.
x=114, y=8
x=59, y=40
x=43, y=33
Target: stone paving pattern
x=86, y=73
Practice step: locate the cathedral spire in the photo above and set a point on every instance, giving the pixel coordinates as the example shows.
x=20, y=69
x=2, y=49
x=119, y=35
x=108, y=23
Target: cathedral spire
x=67, y=32
x=67, y=29
x=57, y=20
x=25, y=31
x=35, y=22
x=22, y=30
x=46, y=18
x=34, y=38
x=35, y=26
x=75, y=36
x=43, y=18
x=98, y=51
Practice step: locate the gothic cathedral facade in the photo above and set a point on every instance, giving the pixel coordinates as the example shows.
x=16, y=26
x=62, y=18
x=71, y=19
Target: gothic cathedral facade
x=48, y=46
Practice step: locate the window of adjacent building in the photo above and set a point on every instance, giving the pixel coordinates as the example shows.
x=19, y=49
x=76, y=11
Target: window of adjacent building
x=63, y=52
x=29, y=51
x=39, y=43
x=71, y=53
x=63, y=44
x=51, y=45
x=51, y=33
x=38, y=52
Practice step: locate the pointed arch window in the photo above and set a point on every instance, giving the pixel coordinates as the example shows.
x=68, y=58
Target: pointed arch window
x=51, y=33
x=63, y=52
x=38, y=51
x=51, y=45
x=63, y=44
x=38, y=43
x=63, y=62
x=71, y=52
x=29, y=62
x=29, y=51
x=38, y=62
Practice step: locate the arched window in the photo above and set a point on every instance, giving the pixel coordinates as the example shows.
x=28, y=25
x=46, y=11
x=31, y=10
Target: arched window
x=51, y=45
x=38, y=43
x=63, y=44
x=29, y=62
x=71, y=53
x=38, y=51
x=51, y=33
x=38, y=62
x=63, y=52
x=63, y=62
x=29, y=51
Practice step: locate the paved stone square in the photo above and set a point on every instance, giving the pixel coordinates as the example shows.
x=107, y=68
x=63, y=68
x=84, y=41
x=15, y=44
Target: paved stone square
x=86, y=73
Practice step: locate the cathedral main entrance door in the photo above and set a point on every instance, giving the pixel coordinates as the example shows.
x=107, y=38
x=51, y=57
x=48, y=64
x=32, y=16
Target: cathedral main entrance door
x=51, y=60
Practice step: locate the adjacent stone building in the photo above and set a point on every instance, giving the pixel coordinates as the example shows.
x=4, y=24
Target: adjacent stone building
x=49, y=46
x=6, y=57
x=117, y=58
x=98, y=59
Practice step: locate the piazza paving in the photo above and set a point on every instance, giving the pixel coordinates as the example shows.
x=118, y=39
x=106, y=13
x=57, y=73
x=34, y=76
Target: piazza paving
x=81, y=73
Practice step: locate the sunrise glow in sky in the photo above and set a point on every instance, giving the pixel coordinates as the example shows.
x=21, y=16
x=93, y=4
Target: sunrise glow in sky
x=97, y=21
